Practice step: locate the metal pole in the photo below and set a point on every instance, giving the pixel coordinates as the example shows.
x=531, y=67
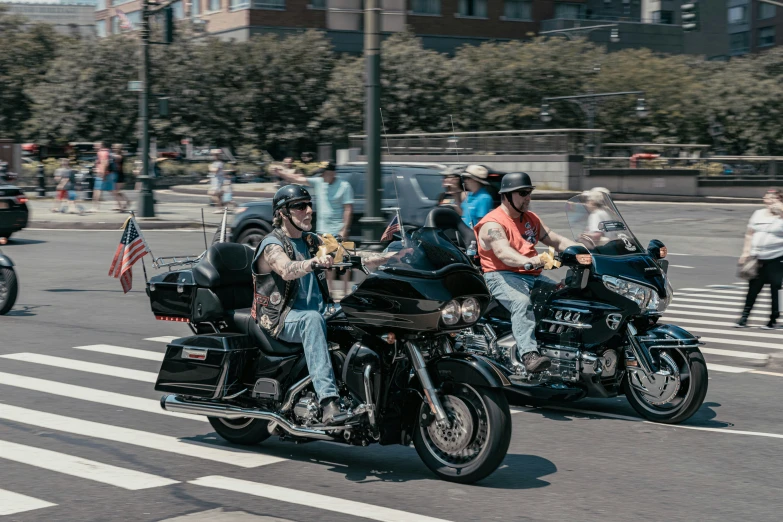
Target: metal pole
x=372, y=223
x=146, y=204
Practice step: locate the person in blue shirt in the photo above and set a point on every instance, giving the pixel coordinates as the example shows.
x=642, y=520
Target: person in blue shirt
x=478, y=202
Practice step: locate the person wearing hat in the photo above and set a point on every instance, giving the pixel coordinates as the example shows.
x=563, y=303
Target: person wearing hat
x=453, y=193
x=478, y=202
x=506, y=247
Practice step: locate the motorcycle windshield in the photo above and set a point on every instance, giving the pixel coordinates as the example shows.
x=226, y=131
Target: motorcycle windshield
x=597, y=224
x=428, y=250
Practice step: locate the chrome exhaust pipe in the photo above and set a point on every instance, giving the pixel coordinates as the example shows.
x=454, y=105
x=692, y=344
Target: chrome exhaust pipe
x=179, y=404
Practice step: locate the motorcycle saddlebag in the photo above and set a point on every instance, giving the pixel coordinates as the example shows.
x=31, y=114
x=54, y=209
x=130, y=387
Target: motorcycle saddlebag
x=212, y=366
x=171, y=294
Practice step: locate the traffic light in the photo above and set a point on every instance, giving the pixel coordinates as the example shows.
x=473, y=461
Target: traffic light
x=168, y=25
x=690, y=16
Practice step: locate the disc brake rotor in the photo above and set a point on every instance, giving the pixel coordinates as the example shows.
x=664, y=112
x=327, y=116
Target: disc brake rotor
x=664, y=384
x=458, y=436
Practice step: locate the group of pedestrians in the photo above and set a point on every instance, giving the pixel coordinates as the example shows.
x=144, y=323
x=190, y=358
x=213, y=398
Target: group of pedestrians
x=109, y=179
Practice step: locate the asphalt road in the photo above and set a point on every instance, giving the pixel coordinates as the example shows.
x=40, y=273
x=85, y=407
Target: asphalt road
x=65, y=436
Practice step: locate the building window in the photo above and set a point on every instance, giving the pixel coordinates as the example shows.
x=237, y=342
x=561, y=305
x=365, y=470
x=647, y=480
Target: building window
x=115, y=25
x=738, y=14
x=663, y=17
x=475, y=8
x=179, y=9
x=100, y=27
x=518, y=10
x=213, y=5
x=739, y=43
x=430, y=7
x=317, y=4
x=135, y=18
x=234, y=5
x=195, y=8
x=268, y=4
x=100, y=5
x=570, y=11
x=626, y=7
x=766, y=11
x=766, y=36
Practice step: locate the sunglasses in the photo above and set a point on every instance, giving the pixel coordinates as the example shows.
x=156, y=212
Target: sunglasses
x=524, y=193
x=301, y=206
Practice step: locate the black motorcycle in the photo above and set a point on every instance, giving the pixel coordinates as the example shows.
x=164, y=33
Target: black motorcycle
x=390, y=347
x=600, y=326
x=9, y=284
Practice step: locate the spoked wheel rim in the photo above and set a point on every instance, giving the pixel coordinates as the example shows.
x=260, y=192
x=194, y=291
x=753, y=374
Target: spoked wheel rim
x=237, y=424
x=3, y=288
x=462, y=443
x=672, y=388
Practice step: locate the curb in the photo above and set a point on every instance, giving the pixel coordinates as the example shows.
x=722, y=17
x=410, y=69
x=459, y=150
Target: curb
x=86, y=225
x=184, y=189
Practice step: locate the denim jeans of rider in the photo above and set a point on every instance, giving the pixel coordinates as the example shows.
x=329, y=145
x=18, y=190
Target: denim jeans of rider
x=513, y=292
x=309, y=328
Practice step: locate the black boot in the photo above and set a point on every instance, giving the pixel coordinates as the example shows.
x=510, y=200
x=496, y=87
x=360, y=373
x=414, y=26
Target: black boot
x=333, y=412
x=535, y=362
x=742, y=323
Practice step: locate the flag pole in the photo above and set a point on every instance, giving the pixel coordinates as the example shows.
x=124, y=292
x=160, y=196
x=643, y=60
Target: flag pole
x=143, y=265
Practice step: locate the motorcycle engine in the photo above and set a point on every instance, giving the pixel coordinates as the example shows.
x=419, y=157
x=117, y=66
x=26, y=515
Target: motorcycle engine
x=307, y=410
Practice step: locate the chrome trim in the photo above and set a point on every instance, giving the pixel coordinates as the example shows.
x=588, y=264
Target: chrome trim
x=581, y=326
x=417, y=360
x=290, y=395
x=368, y=400
x=235, y=395
x=181, y=404
x=640, y=355
x=568, y=309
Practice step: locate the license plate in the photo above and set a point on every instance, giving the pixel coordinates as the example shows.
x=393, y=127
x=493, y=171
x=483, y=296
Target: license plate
x=4, y=204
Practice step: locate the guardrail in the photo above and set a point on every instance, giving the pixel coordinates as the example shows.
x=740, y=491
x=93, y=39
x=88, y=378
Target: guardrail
x=549, y=141
x=740, y=168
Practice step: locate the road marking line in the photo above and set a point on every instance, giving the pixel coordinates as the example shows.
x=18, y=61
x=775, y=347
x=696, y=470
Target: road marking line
x=734, y=353
x=83, y=366
x=712, y=323
x=72, y=391
x=735, y=298
x=713, y=290
x=680, y=266
x=12, y=503
x=738, y=304
x=741, y=342
x=734, y=310
x=738, y=331
x=675, y=426
x=674, y=313
x=673, y=254
x=155, y=441
x=121, y=350
x=314, y=500
x=164, y=339
x=78, y=467
x=727, y=369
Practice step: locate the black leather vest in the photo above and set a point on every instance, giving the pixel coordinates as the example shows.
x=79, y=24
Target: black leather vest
x=273, y=295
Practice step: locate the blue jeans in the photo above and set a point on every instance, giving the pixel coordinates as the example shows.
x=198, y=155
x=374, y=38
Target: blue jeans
x=513, y=292
x=309, y=328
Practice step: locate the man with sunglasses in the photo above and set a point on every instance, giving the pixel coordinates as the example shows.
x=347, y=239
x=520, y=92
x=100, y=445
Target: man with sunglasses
x=507, y=239
x=289, y=298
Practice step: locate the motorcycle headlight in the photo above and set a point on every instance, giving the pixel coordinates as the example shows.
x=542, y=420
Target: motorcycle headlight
x=450, y=313
x=470, y=310
x=643, y=296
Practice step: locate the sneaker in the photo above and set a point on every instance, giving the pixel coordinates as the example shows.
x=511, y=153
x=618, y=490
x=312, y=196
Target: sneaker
x=333, y=412
x=742, y=323
x=770, y=326
x=535, y=362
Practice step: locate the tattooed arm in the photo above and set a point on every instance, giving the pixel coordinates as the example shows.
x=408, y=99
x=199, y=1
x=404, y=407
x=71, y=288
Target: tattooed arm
x=492, y=236
x=277, y=260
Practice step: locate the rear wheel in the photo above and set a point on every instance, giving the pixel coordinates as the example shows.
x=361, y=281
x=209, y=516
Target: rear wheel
x=678, y=390
x=9, y=289
x=477, y=440
x=245, y=431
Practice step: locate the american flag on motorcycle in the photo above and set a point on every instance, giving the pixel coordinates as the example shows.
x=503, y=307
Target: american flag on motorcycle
x=132, y=248
x=393, y=227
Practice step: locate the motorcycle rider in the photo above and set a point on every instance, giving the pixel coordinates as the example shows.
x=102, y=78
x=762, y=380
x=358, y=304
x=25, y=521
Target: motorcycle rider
x=507, y=238
x=290, y=298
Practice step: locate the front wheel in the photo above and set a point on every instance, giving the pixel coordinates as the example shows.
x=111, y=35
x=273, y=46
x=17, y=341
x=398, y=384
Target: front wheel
x=9, y=289
x=475, y=443
x=677, y=390
x=244, y=431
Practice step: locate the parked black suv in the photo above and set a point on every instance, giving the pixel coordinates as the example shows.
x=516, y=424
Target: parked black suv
x=13, y=209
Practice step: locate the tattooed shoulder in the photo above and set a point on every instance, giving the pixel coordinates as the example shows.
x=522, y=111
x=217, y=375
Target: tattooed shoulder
x=495, y=233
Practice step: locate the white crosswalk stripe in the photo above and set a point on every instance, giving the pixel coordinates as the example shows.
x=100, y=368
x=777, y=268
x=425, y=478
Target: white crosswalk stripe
x=12, y=503
x=83, y=366
x=164, y=339
x=78, y=467
x=121, y=350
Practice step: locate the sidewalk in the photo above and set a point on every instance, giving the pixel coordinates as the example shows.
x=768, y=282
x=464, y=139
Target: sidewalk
x=167, y=216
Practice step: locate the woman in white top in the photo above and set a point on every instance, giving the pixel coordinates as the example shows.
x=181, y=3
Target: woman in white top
x=764, y=240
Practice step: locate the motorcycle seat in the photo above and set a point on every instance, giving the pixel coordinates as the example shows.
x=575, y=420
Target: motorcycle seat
x=451, y=224
x=242, y=322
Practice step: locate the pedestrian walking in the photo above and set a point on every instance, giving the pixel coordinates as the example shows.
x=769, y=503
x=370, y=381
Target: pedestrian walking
x=101, y=171
x=116, y=165
x=61, y=178
x=217, y=177
x=761, y=262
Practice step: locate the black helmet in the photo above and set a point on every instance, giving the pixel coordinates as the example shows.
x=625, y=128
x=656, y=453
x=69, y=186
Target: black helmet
x=514, y=181
x=289, y=194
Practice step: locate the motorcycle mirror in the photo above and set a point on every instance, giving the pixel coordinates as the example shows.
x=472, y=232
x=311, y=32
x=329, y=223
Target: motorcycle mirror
x=657, y=249
x=576, y=256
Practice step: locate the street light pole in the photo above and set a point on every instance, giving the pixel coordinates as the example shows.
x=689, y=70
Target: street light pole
x=372, y=223
x=146, y=206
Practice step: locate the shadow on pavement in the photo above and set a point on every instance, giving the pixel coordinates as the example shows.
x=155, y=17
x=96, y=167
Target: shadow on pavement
x=16, y=241
x=704, y=418
x=24, y=310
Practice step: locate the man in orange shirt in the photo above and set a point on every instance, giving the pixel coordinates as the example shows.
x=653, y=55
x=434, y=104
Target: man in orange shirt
x=507, y=239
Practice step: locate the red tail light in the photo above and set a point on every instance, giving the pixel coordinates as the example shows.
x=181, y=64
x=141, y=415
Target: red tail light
x=175, y=319
x=20, y=200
